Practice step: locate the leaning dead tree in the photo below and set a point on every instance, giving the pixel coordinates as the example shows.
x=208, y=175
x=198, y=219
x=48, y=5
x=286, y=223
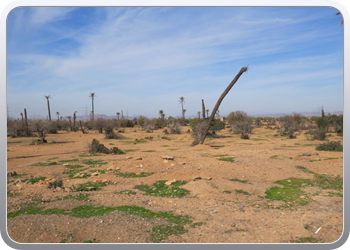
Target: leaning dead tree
x=244, y=69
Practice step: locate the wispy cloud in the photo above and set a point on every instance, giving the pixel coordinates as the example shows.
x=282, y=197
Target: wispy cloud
x=168, y=51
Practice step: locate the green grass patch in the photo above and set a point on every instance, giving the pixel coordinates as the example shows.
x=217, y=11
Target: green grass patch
x=228, y=159
x=90, y=241
x=331, y=194
x=134, y=175
x=35, y=210
x=238, y=180
x=226, y=191
x=333, y=158
x=304, y=169
x=71, y=160
x=148, y=151
x=240, y=191
x=85, y=186
x=74, y=166
x=86, y=211
x=131, y=150
x=258, y=139
x=165, y=146
x=305, y=240
x=295, y=182
x=159, y=233
x=323, y=180
x=94, y=162
x=72, y=172
x=128, y=192
x=33, y=180
x=287, y=194
x=326, y=181
x=89, y=155
x=160, y=189
x=79, y=197
x=173, y=149
x=98, y=170
x=314, y=160
x=274, y=156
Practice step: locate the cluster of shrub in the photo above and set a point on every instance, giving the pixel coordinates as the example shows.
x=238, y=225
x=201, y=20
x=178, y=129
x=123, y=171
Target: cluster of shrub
x=36, y=126
x=238, y=122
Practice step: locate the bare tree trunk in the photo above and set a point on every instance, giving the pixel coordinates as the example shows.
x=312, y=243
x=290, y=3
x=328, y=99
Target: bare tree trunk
x=26, y=121
x=244, y=69
x=81, y=126
x=203, y=109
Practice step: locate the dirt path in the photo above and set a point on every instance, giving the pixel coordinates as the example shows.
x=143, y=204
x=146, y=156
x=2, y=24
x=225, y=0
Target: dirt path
x=227, y=179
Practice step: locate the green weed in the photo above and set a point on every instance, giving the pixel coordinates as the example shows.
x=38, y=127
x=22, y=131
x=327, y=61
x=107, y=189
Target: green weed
x=240, y=191
x=229, y=159
x=287, y=194
x=238, y=180
x=160, y=189
x=134, y=175
x=85, y=186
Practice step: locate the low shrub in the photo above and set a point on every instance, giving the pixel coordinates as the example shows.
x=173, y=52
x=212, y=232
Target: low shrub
x=330, y=146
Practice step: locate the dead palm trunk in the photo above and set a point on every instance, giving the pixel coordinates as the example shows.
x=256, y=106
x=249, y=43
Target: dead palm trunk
x=244, y=69
x=48, y=105
x=203, y=109
x=26, y=121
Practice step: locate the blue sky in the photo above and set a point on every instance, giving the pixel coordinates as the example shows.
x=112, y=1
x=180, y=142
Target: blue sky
x=141, y=60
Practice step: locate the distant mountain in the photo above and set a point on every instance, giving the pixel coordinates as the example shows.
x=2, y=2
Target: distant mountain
x=302, y=113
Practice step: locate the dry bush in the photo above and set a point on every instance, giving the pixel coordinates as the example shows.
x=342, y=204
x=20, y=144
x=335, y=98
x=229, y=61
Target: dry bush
x=240, y=122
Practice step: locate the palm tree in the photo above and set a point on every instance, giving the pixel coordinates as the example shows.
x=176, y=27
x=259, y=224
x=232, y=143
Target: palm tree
x=342, y=20
x=92, y=96
x=183, y=112
x=182, y=100
x=162, y=115
x=70, y=122
x=118, y=115
x=74, y=118
x=48, y=105
x=58, y=115
x=207, y=112
x=199, y=114
x=22, y=118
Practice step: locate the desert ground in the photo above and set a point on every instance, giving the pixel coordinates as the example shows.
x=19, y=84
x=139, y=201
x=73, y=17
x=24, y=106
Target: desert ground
x=227, y=190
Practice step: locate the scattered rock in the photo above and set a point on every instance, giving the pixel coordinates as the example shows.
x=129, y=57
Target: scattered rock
x=17, y=181
x=58, y=189
x=95, y=174
x=167, y=157
x=196, y=178
x=168, y=183
x=79, y=175
x=165, y=161
x=110, y=168
x=289, y=181
x=302, y=197
x=129, y=157
x=104, y=181
x=145, y=201
x=209, y=178
x=233, y=224
x=19, y=186
x=65, y=164
x=68, y=189
x=46, y=199
x=138, y=158
x=90, y=188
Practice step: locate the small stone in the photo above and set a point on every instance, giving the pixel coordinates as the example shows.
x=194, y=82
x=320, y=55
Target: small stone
x=184, y=163
x=129, y=157
x=65, y=164
x=46, y=199
x=233, y=224
x=104, y=181
x=196, y=178
x=95, y=174
x=302, y=197
x=167, y=157
x=306, y=154
x=289, y=181
x=165, y=161
x=138, y=158
x=214, y=212
x=168, y=183
x=67, y=189
x=209, y=178
x=145, y=201
x=110, y=168
x=90, y=188
x=58, y=189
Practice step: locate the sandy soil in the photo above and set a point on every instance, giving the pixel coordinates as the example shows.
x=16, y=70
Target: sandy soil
x=223, y=217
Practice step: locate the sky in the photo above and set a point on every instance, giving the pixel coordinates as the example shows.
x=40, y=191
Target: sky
x=142, y=60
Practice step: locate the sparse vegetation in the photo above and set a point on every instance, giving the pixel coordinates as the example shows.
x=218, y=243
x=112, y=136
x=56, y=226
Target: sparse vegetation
x=330, y=146
x=159, y=188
